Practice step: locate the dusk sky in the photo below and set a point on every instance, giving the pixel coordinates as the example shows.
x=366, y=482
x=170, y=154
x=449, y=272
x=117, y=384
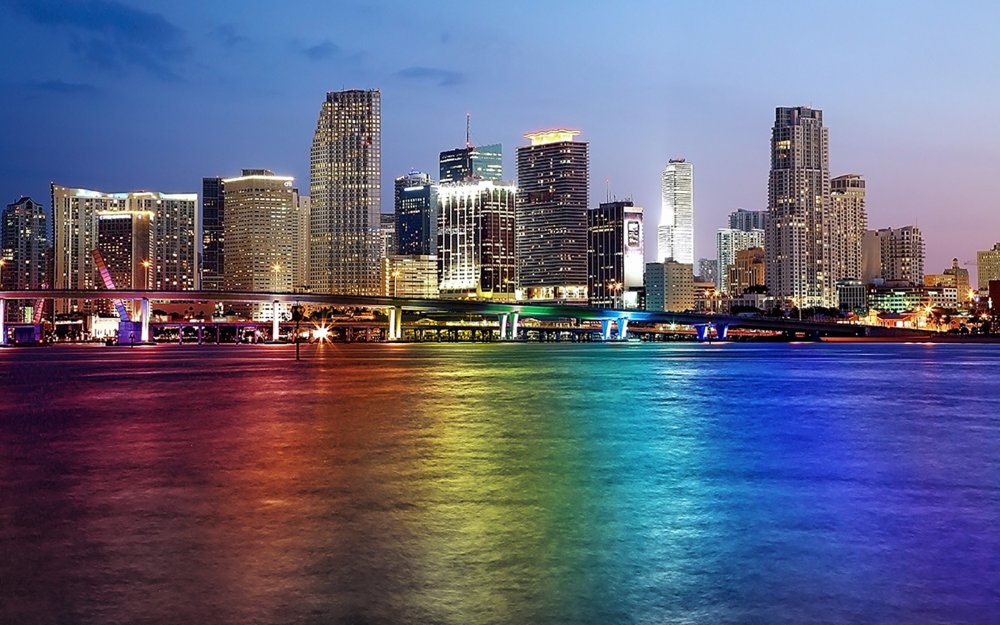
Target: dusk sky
x=128, y=95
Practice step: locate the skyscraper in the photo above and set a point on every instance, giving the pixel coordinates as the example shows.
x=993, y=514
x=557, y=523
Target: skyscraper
x=261, y=230
x=728, y=242
x=24, y=251
x=25, y=246
x=987, y=267
x=476, y=253
x=798, y=230
x=172, y=249
x=675, y=236
x=893, y=256
x=416, y=215
x=849, y=221
x=212, y=234
x=344, y=182
x=552, y=180
x=615, y=256
x=482, y=162
x=743, y=219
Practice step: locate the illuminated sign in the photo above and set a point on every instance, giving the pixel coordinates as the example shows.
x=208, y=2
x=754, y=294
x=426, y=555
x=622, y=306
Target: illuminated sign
x=558, y=135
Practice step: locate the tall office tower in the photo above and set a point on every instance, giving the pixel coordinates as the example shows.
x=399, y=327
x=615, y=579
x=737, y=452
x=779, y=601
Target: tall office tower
x=25, y=246
x=24, y=253
x=894, y=256
x=849, y=221
x=344, y=182
x=173, y=257
x=262, y=231
x=987, y=267
x=482, y=162
x=798, y=228
x=416, y=215
x=729, y=241
x=615, y=256
x=669, y=286
x=552, y=180
x=476, y=254
x=213, y=253
x=708, y=269
x=675, y=236
x=742, y=219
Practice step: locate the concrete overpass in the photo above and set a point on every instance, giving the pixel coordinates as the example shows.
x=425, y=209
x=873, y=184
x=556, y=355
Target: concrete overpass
x=507, y=313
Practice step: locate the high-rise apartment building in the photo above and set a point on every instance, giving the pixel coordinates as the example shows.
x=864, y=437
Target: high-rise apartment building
x=476, y=253
x=615, y=256
x=987, y=267
x=213, y=252
x=893, y=256
x=482, y=162
x=552, y=180
x=729, y=241
x=669, y=286
x=387, y=235
x=24, y=253
x=262, y=229
x=797, y=242
x=675, y=236
x=416, y=215
x=344, y=183
x=848, y=223
x=173, y=255
x=24, y=247
x=125, y=240
x=743, y=219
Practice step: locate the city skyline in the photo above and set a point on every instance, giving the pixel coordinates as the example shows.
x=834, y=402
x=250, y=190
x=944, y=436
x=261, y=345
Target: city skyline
x=426, y=96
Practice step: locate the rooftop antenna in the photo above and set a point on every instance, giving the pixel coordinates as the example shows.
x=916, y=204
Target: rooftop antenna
x=607, y=188
x=468, y=130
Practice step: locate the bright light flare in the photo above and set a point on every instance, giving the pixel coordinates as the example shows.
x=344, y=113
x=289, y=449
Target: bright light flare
x=321, y=334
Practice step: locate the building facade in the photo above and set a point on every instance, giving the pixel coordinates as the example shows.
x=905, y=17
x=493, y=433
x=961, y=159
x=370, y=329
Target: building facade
x=743, y=219
x=173, y=249
x=747, y=270
x=552, y=180
x=987, y=267
x=213, y=242
x=728, y=242
x=669, y=286
x=675, y=236
x=345, y=171
x=483, y=162
x=615, y=262
x=476, y=254
x=409, y=277
x=262, y=234
x=893, y=256
x=848, y=223
x=955, y=276
x=797, y=240
x=416, y=215
x=25, y=253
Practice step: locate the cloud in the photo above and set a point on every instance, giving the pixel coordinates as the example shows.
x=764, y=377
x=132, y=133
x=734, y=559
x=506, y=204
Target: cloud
x=325, y=50
x=113, y=36
x=437, y=76
x=62, y=87
x=227, y=35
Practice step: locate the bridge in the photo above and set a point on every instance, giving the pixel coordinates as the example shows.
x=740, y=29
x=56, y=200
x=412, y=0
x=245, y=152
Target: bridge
x=508, y=314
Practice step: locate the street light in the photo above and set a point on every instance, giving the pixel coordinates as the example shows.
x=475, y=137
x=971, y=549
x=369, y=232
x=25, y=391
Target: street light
x=147, y=264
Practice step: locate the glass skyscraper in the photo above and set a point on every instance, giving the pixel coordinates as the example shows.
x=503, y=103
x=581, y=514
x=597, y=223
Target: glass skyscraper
x=416, y=215
x=675, y=236
x=483, y=162
x=212, y=234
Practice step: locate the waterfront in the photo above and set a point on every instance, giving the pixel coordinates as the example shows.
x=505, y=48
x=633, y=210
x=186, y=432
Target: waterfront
x=617, y=483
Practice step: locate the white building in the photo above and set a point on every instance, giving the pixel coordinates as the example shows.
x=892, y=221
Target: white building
x=675, y=236
x=729, y=241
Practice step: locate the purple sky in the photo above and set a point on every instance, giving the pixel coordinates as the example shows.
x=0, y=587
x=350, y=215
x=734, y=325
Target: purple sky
x=121, y=95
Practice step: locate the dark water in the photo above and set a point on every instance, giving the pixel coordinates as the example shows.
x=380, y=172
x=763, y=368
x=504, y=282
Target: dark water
x=501, y=484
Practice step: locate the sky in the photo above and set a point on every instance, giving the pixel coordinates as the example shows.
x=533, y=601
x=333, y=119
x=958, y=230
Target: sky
x=124, y=95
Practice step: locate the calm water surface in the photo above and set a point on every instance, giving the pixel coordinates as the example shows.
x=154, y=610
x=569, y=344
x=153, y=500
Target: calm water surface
x=501, y=484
